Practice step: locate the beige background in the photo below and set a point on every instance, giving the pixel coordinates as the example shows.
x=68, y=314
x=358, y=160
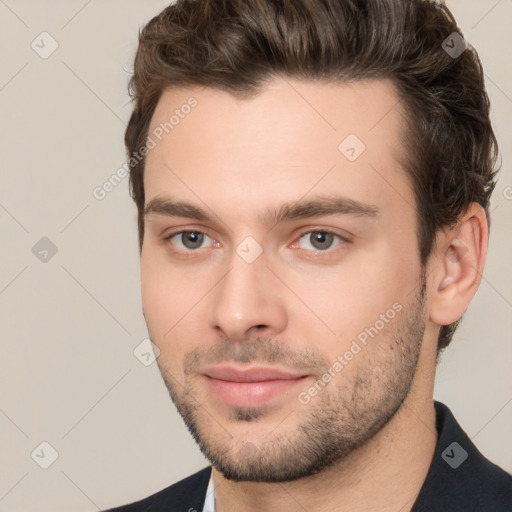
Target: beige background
x=68, y=374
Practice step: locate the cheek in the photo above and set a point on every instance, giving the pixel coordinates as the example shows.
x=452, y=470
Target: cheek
x=174, y=307
x=349, y=300
x=163, y=297
x=162, y=312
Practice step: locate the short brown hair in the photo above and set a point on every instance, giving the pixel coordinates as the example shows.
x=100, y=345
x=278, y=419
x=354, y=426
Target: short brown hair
x=237, y=45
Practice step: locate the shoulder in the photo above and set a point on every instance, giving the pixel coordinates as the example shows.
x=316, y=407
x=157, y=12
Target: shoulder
x=460, y=477
x=187, y=495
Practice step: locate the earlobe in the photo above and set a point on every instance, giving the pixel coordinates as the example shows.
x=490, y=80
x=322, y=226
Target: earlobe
x=460, y=263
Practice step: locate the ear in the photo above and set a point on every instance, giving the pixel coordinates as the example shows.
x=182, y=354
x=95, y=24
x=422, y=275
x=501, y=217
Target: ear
x=458, y=266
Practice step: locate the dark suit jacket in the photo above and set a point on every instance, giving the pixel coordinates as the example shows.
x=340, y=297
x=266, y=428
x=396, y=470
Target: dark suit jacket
x=460, y=479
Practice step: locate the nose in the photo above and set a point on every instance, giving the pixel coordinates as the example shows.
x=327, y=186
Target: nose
x=248, y=300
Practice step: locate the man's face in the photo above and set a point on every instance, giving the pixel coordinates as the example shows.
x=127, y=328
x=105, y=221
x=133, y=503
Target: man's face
x=284, y=345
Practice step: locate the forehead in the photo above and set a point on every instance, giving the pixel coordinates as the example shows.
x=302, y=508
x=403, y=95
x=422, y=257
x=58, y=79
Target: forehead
x=284, y=105
x=292, y=137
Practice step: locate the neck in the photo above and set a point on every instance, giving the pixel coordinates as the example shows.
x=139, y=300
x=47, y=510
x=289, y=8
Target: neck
x=385, y=474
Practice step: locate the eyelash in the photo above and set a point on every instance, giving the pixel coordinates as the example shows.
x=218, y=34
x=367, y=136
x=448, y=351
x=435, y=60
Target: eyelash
x=343, y=239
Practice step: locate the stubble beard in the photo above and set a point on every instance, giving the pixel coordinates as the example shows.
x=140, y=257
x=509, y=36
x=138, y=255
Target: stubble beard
x=339, y=420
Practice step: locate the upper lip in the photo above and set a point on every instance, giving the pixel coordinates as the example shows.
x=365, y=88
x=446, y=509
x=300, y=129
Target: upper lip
x=255, y=374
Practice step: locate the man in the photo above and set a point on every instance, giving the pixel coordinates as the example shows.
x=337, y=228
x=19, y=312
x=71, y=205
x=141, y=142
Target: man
x=312, y=180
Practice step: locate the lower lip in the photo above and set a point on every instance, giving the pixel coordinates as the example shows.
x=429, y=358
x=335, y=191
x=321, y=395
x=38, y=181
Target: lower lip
x=250, y=394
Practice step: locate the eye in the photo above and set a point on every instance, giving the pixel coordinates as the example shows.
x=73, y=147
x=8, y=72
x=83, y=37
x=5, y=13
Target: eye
x=190, y=240
x=321, y=240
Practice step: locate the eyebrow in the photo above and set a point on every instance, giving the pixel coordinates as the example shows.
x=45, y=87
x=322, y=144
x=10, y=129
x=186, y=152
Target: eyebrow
x=302, y=209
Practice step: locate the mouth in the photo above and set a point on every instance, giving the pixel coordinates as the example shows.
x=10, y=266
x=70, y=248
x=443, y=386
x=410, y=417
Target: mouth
x=251, y=387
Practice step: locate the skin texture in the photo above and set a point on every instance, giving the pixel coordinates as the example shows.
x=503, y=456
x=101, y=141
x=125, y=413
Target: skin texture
x=365, y=440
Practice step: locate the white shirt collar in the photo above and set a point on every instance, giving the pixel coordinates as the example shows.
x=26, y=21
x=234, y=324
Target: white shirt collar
x=209, y=502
